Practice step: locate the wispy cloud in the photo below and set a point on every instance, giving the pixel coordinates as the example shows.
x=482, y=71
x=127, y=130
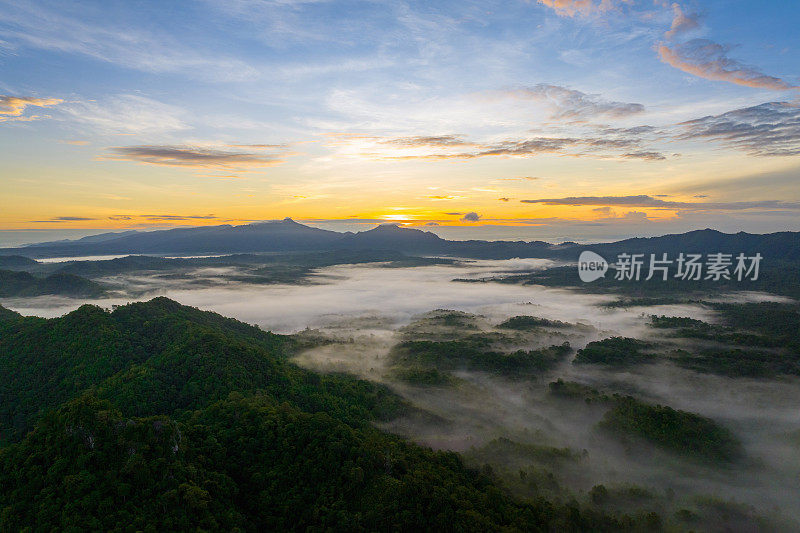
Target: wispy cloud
x=12, y=108
x=34, y=25
x=574, y=105
x=571, y=8
x=128, y=113
x=429, y=140
x=700, y=57
x=534, y=146
x=769, y=129
x=709, y=60
x=193, y=157
x=258, y=146
x=519, y=178
x=161, y=218
x=646, y=156
x=682, y=22
x=177, y=217
x=650, y=201
x=64, y=219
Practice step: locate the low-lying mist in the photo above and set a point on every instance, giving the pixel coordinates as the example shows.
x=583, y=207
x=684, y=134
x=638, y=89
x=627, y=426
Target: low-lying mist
x=344, y=291
x=365, y=310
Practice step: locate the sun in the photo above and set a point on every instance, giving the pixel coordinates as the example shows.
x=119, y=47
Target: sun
x=398, y=218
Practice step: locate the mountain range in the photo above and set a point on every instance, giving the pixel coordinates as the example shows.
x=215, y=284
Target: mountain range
x=290, y=236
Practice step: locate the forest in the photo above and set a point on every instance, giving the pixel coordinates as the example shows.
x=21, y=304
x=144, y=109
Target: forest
x=159, y=416
x=508, y=406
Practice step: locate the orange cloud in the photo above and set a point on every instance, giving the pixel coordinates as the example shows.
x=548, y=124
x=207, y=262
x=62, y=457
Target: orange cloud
x=681, y=22
x=709, y=60
x=570, y=8
x=12, y=107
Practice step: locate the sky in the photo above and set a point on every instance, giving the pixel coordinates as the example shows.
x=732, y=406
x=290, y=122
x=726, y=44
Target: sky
x=556, y=119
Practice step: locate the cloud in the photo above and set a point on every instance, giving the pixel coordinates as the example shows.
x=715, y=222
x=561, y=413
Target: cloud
x=192, y=157
x=432, y=140
x=575, y=105
x=780, y=184
x=258, y=146
x=178, y=217
x=431, y=223
x=128, y=113
x=592, y=141
x=611, y=143
x=647, y=156
x=609, y=215
x=472, y=216
x=504, y=199
x=530, y=147
x=28, y=24
x=635, y=131
x=13, y=107
x=570, y=8
x=150, y=218
x=769, y=129
x=700, y=57
x=635, y=215
x=649, y=201
x=710, y=60
x=65, y=219
x=681, y=22
x=520, y=147
x=527, y=146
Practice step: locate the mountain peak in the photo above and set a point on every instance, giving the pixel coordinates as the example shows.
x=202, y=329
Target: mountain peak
x=389, y=226
x=394, y=229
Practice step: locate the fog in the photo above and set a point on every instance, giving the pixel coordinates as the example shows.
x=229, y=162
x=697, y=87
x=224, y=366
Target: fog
x=367, y=309
x=394, y=294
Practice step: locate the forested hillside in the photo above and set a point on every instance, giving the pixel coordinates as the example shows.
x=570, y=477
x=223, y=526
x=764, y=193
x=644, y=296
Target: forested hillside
x=158, y=417
x=23, y=284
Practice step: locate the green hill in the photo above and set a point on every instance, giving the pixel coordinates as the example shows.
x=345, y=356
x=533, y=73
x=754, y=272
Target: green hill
x=159, y=417
x=19, y=284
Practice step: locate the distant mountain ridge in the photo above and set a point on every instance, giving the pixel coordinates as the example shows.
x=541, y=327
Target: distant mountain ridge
x=290, y=236
x=783, y=245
